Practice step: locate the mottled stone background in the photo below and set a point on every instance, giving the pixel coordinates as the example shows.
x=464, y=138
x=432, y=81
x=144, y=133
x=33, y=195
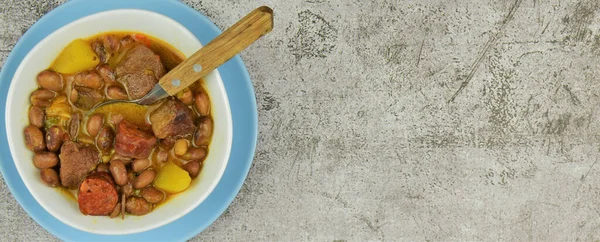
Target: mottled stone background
x=406, y=120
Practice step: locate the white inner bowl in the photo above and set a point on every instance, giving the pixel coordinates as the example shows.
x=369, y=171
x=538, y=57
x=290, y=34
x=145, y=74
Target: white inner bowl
x=41, y=56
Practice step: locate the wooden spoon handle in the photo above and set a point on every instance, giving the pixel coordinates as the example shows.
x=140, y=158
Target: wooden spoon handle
x=224, y=47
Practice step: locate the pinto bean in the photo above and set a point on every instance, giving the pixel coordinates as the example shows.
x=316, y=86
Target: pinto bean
x=50, y=177
x=202, y=103
x=193, y=168
x=54, y=138
x=43, y=160
x=94, y=124
x=65, y=137
x=116, y=211
x=139, y=165
x=116, y=92
x=181, y=147
x=195, y=154
x=37, y=116
x=42, y=98
x=50, y=80
x=119, y=172
x=111, y=43
x=167, y=143
x=162, y=157
x=204, y=132
x=103, y=167
x=88, y=79
x=74, y=125
x=107, y=74
x=98, y=48
x=34, y=139
x=127, y=189
x=105, y=139
x=144, y=179
x=152, y=195
x=138, y=206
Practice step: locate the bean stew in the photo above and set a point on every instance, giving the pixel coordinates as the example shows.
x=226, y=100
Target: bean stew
x=121, y=158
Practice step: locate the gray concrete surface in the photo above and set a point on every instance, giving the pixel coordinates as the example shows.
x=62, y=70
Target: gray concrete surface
x=420, y=120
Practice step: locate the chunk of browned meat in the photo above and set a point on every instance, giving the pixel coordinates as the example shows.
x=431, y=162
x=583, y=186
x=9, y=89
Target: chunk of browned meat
x=88, y=97
x=76, y=162
x=133, y=142
x=172, y=118
x=139, y=71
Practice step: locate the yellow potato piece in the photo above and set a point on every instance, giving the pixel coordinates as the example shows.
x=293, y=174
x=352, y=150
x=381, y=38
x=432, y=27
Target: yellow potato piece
x=76, y=57
x=171, y=178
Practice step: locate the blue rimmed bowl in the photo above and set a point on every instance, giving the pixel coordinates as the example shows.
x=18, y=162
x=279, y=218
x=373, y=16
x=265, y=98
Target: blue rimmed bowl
x=41, y=56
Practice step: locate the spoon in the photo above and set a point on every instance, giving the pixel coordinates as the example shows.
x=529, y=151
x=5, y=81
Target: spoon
x=224, y=47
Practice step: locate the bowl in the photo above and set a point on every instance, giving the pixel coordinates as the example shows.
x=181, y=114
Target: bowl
x=63, y=207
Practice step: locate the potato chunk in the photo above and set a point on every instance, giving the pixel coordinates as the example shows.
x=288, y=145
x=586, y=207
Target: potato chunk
x=76, y=57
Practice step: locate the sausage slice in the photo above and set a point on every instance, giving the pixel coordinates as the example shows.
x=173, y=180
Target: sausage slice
x=97, y=195
x=131, y=141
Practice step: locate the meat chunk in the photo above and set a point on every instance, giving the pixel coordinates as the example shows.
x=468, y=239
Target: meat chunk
x=139, y=71
x=133, y=142
x=172, y=118
x=87, y=97
x=97, y=195
x=76, y=162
